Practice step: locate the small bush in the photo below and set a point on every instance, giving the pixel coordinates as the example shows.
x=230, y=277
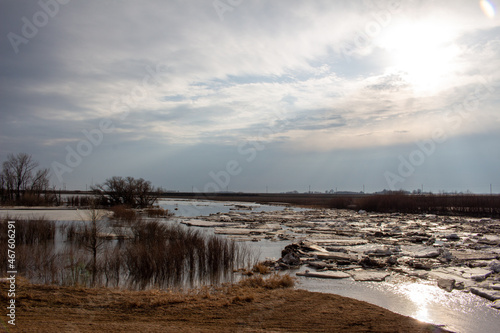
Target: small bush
x=261, y=268
x=124, y=213
x=157, y=212
x=275, y=281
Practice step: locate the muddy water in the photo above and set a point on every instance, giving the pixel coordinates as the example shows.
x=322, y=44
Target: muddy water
x=457, y=311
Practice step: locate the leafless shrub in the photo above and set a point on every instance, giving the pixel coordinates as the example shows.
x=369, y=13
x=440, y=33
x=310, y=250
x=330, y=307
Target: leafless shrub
x=123, y=213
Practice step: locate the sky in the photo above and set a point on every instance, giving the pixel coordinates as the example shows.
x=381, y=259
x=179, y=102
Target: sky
x=255, y=96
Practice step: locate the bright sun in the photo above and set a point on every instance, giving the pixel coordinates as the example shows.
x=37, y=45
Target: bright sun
x=422, y=52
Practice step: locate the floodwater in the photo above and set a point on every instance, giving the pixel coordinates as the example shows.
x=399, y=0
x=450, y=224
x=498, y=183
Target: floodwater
x=194, y=208
x=457, y=311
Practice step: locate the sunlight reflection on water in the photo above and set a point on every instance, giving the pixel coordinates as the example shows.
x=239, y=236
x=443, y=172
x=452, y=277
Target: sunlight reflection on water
x=423, y=300
x=421, y=295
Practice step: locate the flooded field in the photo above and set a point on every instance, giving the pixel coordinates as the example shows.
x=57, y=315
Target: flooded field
x=431, y=268
x=128, y=251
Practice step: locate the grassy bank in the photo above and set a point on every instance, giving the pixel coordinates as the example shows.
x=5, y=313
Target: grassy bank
x=244, y=307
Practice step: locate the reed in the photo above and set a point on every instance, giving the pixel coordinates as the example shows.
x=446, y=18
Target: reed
x=30, y=231
x=458, y=204
x=158, y=212
x=158, y=254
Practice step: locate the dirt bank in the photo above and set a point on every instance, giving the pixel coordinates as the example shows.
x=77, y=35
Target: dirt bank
x=227, y=309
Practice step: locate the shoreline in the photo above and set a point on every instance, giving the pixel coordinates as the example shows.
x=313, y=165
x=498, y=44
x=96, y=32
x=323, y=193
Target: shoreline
x=230, y=308
x=248, y=219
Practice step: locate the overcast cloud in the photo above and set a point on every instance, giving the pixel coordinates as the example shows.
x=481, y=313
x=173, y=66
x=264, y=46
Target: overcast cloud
x=332, y=94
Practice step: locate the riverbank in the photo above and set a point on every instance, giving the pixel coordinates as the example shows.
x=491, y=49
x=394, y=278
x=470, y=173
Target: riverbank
x=231, y=308
x=408, y=290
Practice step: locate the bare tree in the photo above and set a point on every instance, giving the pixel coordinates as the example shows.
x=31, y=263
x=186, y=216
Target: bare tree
x=128, y=191
x=3, y=188
x=40, y=181
x=92, y=234
x=19, y=175
x=19, y=168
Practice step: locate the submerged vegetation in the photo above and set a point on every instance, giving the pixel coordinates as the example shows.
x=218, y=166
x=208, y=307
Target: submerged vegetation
x=124, y=251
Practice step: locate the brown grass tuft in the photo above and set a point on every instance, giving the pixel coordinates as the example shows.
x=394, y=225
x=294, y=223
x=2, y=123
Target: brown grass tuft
x=274, y=281
x=122, y=212
x=158, y=212
x=261, y=268
x=243, y=299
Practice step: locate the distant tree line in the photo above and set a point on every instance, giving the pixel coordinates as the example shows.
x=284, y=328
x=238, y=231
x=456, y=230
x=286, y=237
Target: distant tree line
x=23, y=182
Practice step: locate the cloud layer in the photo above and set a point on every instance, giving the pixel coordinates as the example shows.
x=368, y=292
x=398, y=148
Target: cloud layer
x=313, y=79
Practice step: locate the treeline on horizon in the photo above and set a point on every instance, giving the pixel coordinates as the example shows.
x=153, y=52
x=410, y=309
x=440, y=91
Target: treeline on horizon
x=22, y=182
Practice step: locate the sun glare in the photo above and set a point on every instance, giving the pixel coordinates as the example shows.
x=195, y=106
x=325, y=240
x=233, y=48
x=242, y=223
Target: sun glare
x=487, y=8
x=422, y=53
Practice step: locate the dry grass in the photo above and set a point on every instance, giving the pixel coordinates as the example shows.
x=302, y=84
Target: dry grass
x=157, y=212
x=460, y=204
x=261, y=268
x=31, y=231
x=45, y=308
x=156, y=255
x=123, y=213
x=274, y=281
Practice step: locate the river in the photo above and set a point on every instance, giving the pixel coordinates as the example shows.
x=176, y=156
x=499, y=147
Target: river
x=457, y=311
